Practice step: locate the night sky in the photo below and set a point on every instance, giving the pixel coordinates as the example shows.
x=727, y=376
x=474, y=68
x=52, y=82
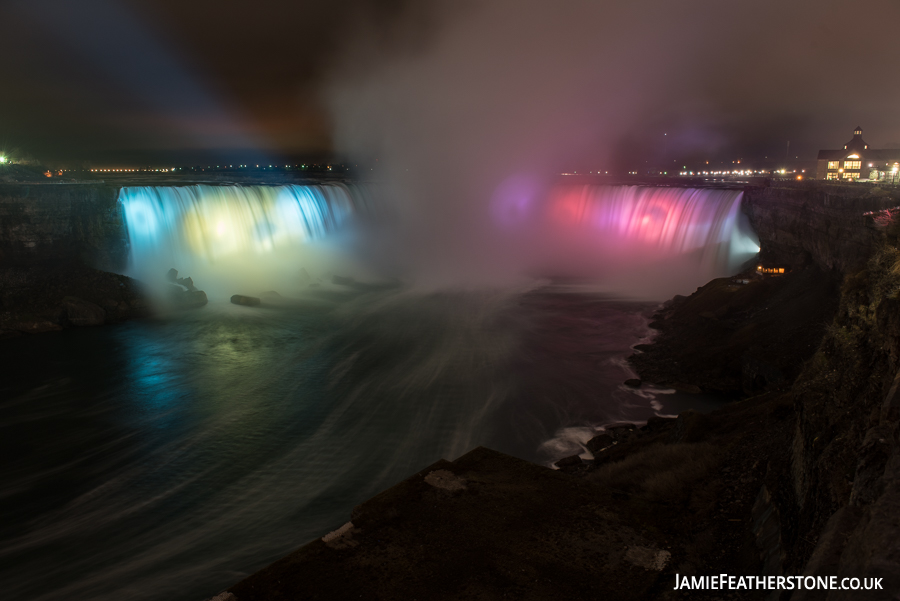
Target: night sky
x=518, y=85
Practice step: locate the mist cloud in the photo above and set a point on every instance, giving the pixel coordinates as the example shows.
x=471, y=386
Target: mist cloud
x=512, y=89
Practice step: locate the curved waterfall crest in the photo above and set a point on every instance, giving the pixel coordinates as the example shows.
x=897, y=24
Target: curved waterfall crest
x=233, y=228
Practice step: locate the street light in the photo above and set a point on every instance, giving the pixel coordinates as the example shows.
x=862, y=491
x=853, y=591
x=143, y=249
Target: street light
x=2, y=159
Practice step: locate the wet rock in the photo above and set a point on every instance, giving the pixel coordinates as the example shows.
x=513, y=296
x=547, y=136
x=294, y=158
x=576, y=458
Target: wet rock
x=342, y=538
x=187, y=283
x=183, y=299
x=600, y=442
x=78, y=312
x=621, y=432
x=633, y=382
x=569, y=461
x=172, y=275
x=249, y=301
x=192, y=300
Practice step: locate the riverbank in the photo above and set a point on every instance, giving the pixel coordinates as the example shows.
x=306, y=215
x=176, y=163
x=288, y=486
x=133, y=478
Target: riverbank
x=801, y=477
x=50, y=297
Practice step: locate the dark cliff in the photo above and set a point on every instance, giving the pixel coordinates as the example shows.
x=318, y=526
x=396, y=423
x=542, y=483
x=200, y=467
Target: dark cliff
x=829, y=499
x=58, y=223
x=58, y=245
x=801, y=223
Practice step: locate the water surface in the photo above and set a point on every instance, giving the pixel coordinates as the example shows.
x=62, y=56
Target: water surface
x=168, y=458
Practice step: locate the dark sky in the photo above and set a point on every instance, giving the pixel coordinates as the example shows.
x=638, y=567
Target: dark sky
x=580, y=81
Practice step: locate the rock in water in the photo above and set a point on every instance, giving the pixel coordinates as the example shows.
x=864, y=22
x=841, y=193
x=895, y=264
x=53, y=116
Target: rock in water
x=633, y=383
x=187, y=283
x=80, y=312
x=342, y=280
x=599, y=442
x=193, y=299
x=172, y=275
x=183, y=299
x=240, y=299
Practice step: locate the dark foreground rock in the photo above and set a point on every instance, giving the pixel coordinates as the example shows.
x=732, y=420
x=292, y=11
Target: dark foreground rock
x=53, y=297
x=735, y=338
x=78, y=312
x=662, y=500
x=482, y=527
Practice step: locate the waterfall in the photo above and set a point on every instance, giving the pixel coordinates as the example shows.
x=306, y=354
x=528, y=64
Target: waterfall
x=233, y=237
x=648, y=238
x=641, y=241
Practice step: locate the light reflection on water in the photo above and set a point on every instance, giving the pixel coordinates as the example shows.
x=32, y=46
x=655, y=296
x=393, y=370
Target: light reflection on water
x=168, y=458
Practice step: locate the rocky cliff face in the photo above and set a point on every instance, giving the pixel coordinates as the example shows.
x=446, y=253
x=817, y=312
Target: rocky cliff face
x=56, y=223
x=809, y=222
x=845, y=458
x=834, y=484
x=52, y=237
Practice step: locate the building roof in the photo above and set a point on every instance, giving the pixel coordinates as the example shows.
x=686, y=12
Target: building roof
x=891, y=155
x=859, y=147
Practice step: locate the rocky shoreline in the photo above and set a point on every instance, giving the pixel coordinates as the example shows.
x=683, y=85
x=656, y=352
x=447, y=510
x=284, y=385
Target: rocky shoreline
x=801, y=476
x=51, y=297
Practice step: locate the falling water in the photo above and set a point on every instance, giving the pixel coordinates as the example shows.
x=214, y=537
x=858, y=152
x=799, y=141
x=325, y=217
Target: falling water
x=649, y=241
x=234, y=236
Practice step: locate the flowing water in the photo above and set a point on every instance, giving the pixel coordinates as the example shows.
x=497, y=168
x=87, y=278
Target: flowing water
x=169, y=457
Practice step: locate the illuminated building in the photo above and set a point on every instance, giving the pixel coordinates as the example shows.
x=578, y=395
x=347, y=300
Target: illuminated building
x=857, y=162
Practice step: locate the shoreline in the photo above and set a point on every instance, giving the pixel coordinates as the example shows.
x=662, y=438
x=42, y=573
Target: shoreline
x=740, y=490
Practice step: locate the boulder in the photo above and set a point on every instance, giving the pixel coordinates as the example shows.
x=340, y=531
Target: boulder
x=240, y=299
x=187, y=283
x=194, y=299
x=621, y=431
x=79, y=312
x=600, y=442
x=172, y=275
x=568, y=461
x=186, y=300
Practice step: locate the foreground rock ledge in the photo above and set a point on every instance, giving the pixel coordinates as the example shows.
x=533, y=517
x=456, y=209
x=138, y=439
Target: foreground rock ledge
x=483, y=526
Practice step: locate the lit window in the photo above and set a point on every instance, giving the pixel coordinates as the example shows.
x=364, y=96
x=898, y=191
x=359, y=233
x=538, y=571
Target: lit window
x=850, y=175
x=831, y=176
x=834, y=164
x=852, y=164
